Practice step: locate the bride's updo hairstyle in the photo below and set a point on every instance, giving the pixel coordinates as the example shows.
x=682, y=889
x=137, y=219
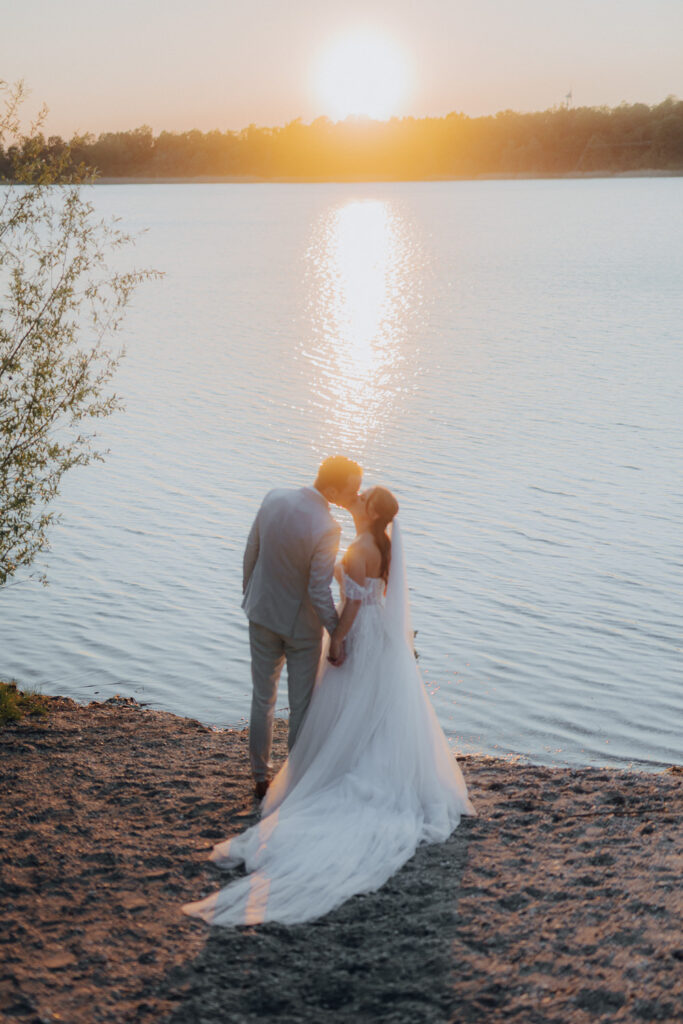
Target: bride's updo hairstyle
x=383, y=505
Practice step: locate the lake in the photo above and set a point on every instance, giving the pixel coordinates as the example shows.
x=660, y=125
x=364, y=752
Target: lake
x=505, y=355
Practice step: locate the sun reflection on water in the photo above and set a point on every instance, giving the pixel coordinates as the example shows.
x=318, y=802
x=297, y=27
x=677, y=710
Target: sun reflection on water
x=360, y=298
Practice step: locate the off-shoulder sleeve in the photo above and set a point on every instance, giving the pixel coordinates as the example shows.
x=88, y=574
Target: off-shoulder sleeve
x=354, y=591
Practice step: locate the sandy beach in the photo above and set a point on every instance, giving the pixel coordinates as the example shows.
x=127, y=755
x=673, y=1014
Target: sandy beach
x=561, y=902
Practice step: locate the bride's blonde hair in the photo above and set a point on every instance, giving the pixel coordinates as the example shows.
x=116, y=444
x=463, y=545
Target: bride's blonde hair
x=385, y=505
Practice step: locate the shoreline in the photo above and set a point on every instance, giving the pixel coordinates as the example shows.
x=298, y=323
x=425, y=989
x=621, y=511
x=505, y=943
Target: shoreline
x=643, y=765
x=560, y=901
x=217, y=179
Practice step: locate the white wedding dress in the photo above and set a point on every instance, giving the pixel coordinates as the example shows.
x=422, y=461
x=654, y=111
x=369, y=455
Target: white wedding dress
x=369, y=778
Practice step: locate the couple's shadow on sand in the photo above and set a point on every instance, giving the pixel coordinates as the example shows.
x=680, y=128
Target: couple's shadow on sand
x=386, y=955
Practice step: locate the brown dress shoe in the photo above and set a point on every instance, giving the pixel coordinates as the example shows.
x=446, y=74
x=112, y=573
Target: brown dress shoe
x=261, y=788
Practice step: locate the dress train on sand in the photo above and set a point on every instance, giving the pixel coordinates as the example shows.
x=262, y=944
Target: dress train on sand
x=370, y=777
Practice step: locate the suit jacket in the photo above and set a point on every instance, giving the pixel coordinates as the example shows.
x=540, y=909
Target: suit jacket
x=289, y=563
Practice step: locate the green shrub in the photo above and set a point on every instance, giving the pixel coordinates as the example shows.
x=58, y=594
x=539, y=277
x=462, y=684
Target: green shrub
x=15, y=703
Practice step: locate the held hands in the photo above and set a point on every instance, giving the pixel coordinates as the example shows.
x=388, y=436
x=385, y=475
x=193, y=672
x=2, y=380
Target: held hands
x=336, y=653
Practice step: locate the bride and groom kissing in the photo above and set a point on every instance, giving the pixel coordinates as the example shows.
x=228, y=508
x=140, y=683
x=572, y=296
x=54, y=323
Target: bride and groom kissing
x=369, y=774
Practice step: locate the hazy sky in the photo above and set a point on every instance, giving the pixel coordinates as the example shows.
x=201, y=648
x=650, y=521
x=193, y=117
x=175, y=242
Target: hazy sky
x=176, y=64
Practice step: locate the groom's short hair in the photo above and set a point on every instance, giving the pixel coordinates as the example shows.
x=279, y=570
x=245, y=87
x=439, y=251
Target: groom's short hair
x=335, y=471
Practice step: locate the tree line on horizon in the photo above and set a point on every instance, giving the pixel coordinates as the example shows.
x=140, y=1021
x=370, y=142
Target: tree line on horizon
x=561, y=140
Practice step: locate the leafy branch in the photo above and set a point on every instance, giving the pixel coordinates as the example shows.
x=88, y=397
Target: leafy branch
x=60, y=302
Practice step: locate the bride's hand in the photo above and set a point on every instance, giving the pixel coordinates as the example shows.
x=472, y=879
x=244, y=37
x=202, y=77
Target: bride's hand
x=336, y=652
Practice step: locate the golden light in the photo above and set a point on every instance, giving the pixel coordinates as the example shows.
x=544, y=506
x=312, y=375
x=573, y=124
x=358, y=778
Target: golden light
x=362, y=74
x=359, y=292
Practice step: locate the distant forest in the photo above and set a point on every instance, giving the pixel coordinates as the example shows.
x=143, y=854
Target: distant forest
x=558, y=141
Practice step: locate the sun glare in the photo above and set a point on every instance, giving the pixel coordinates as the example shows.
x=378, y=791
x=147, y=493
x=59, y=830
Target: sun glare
x=360, y=311
x=362, y=74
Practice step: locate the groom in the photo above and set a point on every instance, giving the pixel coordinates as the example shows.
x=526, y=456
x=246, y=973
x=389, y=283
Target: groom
x=288, y=568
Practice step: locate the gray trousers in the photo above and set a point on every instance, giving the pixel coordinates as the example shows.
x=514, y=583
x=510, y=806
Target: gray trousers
x=269, y=651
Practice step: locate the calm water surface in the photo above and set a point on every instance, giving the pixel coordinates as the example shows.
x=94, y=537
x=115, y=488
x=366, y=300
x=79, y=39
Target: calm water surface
x=506, y=356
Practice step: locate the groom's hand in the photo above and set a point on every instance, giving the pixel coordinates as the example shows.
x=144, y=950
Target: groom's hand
x=336, y=653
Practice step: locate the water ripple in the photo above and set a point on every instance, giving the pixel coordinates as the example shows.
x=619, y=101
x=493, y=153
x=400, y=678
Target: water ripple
x=514, y=374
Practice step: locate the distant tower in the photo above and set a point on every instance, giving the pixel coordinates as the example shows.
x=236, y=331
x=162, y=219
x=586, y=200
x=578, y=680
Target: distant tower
x=568, y=100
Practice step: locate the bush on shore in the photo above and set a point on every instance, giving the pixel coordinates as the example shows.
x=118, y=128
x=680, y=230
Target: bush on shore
x=15, y=703
x=60, y=300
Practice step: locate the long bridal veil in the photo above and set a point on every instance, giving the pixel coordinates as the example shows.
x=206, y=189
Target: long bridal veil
x=370, y=777
x=397, y=603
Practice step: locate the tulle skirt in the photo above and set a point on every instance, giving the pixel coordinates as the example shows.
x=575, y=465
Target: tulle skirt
x=370, y=777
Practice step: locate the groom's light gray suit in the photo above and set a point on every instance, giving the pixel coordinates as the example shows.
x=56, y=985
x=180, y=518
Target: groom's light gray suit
x=288, y=569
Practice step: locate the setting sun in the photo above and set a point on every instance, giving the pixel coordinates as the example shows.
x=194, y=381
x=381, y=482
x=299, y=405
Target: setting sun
x=362, y=74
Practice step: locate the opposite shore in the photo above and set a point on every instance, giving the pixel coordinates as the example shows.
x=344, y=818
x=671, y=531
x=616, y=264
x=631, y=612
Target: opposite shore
x=215, y=179
x=561, y=900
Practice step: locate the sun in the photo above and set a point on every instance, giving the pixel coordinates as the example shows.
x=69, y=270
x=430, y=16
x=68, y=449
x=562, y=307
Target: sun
x=361, y=74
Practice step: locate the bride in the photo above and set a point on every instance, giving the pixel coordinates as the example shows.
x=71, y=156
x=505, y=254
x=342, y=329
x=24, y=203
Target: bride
x=370, y=775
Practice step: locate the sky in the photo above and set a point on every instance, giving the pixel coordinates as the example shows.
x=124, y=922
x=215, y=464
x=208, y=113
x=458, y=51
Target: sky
x=176, y=65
